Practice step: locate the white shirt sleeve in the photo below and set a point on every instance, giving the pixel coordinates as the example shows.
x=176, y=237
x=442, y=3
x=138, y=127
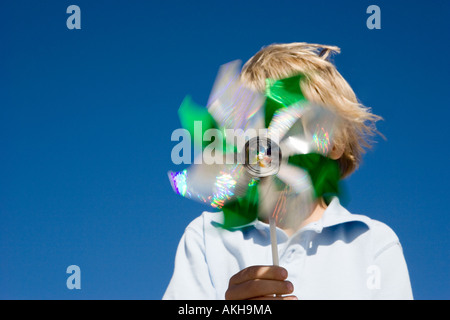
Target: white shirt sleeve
x=394, y=277
x=191, y=278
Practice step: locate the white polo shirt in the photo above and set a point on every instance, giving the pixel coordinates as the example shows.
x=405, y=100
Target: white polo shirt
x=341, y=256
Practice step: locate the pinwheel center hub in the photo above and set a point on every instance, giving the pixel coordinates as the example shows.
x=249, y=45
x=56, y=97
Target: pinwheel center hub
x=262, y=157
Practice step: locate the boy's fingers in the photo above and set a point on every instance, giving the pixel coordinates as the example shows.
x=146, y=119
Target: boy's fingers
x=259, y=288
x=259, y=272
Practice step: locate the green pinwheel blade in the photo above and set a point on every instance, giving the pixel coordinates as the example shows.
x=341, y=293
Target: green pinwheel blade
x=243, y=210
x=323, y=171
x=197, y=120
x=281, y=94
x=192, y=115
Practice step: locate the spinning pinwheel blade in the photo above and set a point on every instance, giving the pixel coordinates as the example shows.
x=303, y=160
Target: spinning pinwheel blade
x=277, y=168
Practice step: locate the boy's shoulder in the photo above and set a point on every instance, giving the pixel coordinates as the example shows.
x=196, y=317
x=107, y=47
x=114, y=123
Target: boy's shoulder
x=377, y=227
x=336, y=214
x=378, y=234
x=207, y=221
x=381, y=229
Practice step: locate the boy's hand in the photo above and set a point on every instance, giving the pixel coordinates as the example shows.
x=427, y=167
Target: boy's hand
x=260, y=283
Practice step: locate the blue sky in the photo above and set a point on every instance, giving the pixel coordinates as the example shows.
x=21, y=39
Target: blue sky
x=86, y=118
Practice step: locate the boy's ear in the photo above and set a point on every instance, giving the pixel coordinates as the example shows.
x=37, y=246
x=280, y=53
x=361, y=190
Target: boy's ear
x=336, y=152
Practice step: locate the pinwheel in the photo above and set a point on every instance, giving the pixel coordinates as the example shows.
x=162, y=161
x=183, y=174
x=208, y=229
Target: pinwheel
x=268, y=159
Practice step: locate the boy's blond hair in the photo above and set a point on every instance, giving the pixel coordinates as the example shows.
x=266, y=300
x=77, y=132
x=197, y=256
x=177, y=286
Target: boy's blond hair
x=321, y=83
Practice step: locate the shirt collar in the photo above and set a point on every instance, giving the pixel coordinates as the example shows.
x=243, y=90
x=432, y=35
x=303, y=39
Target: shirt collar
x=334, y=214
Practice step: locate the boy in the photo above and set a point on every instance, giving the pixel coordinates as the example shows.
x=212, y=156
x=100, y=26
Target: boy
x=334, y=254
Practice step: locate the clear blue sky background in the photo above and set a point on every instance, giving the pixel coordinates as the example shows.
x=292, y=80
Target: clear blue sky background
x=86, y=117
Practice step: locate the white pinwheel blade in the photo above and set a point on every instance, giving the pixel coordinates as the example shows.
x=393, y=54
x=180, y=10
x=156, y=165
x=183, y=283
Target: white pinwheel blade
x=212, y=184
x=297, y=178
x=313, y=132
x=268, y=189
x=283, y=120
x=283, y=204
x=233, y=105
x=299, y=196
